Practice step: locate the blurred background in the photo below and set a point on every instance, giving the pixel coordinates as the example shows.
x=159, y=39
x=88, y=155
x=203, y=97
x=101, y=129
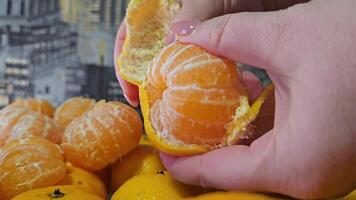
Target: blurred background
x=57, y=49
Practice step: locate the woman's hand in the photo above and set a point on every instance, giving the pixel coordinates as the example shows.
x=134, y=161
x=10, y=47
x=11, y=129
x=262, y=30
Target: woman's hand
x=309, y=51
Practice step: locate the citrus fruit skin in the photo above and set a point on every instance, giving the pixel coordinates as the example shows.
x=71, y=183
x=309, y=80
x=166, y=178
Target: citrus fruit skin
x=84, y=180
x=61, y=192
x=153, y=186
x=350, y=196
x=231, y=195
x=147, y=23
x=102, y=135
x=36, y=124
x=143, y=160
x=71, y=109
x=36, y=105
x=29, y=163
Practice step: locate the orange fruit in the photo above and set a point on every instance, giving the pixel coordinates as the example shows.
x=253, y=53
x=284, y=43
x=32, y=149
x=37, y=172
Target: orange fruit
x=71, y=109
x=232, y=195
x=147, y=23
x=102, y=135
x=192, y=101
x=16, y=122
x=84, y=180
x=105, y=175
x=160, y=186
x=36, y=105
x=143, y=160
x=60, y=192
x=29, y=163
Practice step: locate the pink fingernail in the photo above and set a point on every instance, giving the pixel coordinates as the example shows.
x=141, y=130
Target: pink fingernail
x=131, y=102
x=184, y=28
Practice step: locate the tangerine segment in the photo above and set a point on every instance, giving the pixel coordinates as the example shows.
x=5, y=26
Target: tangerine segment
x=36, y=105
x=36, y=124
x=147, y=23
x=71, y=109
x=29, y=163
x=102, y=135
x=199, y=94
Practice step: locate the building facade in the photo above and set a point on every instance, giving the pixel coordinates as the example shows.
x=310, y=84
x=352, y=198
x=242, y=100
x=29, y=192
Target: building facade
x=57, y=39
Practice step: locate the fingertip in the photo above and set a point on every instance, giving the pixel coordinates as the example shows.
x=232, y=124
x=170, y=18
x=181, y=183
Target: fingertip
x=184, y=27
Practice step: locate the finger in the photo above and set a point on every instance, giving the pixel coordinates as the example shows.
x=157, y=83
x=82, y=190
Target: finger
x=252, y=83
x=257, y=39
x=230, y=168
x=130, y=91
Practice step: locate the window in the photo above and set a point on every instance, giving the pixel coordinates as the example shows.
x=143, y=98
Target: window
x=22, y=11
x=102, y=60
x=32, y=8
x=47, y=89
x=9, y=7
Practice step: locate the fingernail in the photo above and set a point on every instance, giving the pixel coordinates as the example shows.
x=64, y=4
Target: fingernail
x=131, y=102
x=184, y=28
x=171, y=37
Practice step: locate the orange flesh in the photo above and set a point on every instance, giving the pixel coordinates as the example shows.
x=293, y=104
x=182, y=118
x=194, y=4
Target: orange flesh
x=102, y=135
x=193, y=94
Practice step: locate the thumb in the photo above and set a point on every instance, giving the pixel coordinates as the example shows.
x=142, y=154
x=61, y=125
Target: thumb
x=257, y=39
x=231, y=168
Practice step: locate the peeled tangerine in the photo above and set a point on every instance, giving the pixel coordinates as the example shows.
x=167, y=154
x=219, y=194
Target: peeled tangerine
x=71, y=109
x=193, y=101
x=36, y=105
x=84, y=180
x=102, y=135
x=27, y=164
x=20, y=122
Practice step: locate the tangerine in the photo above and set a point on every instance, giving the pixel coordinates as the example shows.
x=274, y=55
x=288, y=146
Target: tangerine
x=36, y=105
x=102, y=135
x=16, y=122
x=71, y=109
x=28, y=163
x=142, y=160
x=84, y=180
x=59, y=192
x=193, y=101
x=160, y=186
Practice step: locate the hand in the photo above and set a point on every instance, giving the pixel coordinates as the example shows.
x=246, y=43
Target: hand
x=130, y=91
x=189, y=15
x=309, y=52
